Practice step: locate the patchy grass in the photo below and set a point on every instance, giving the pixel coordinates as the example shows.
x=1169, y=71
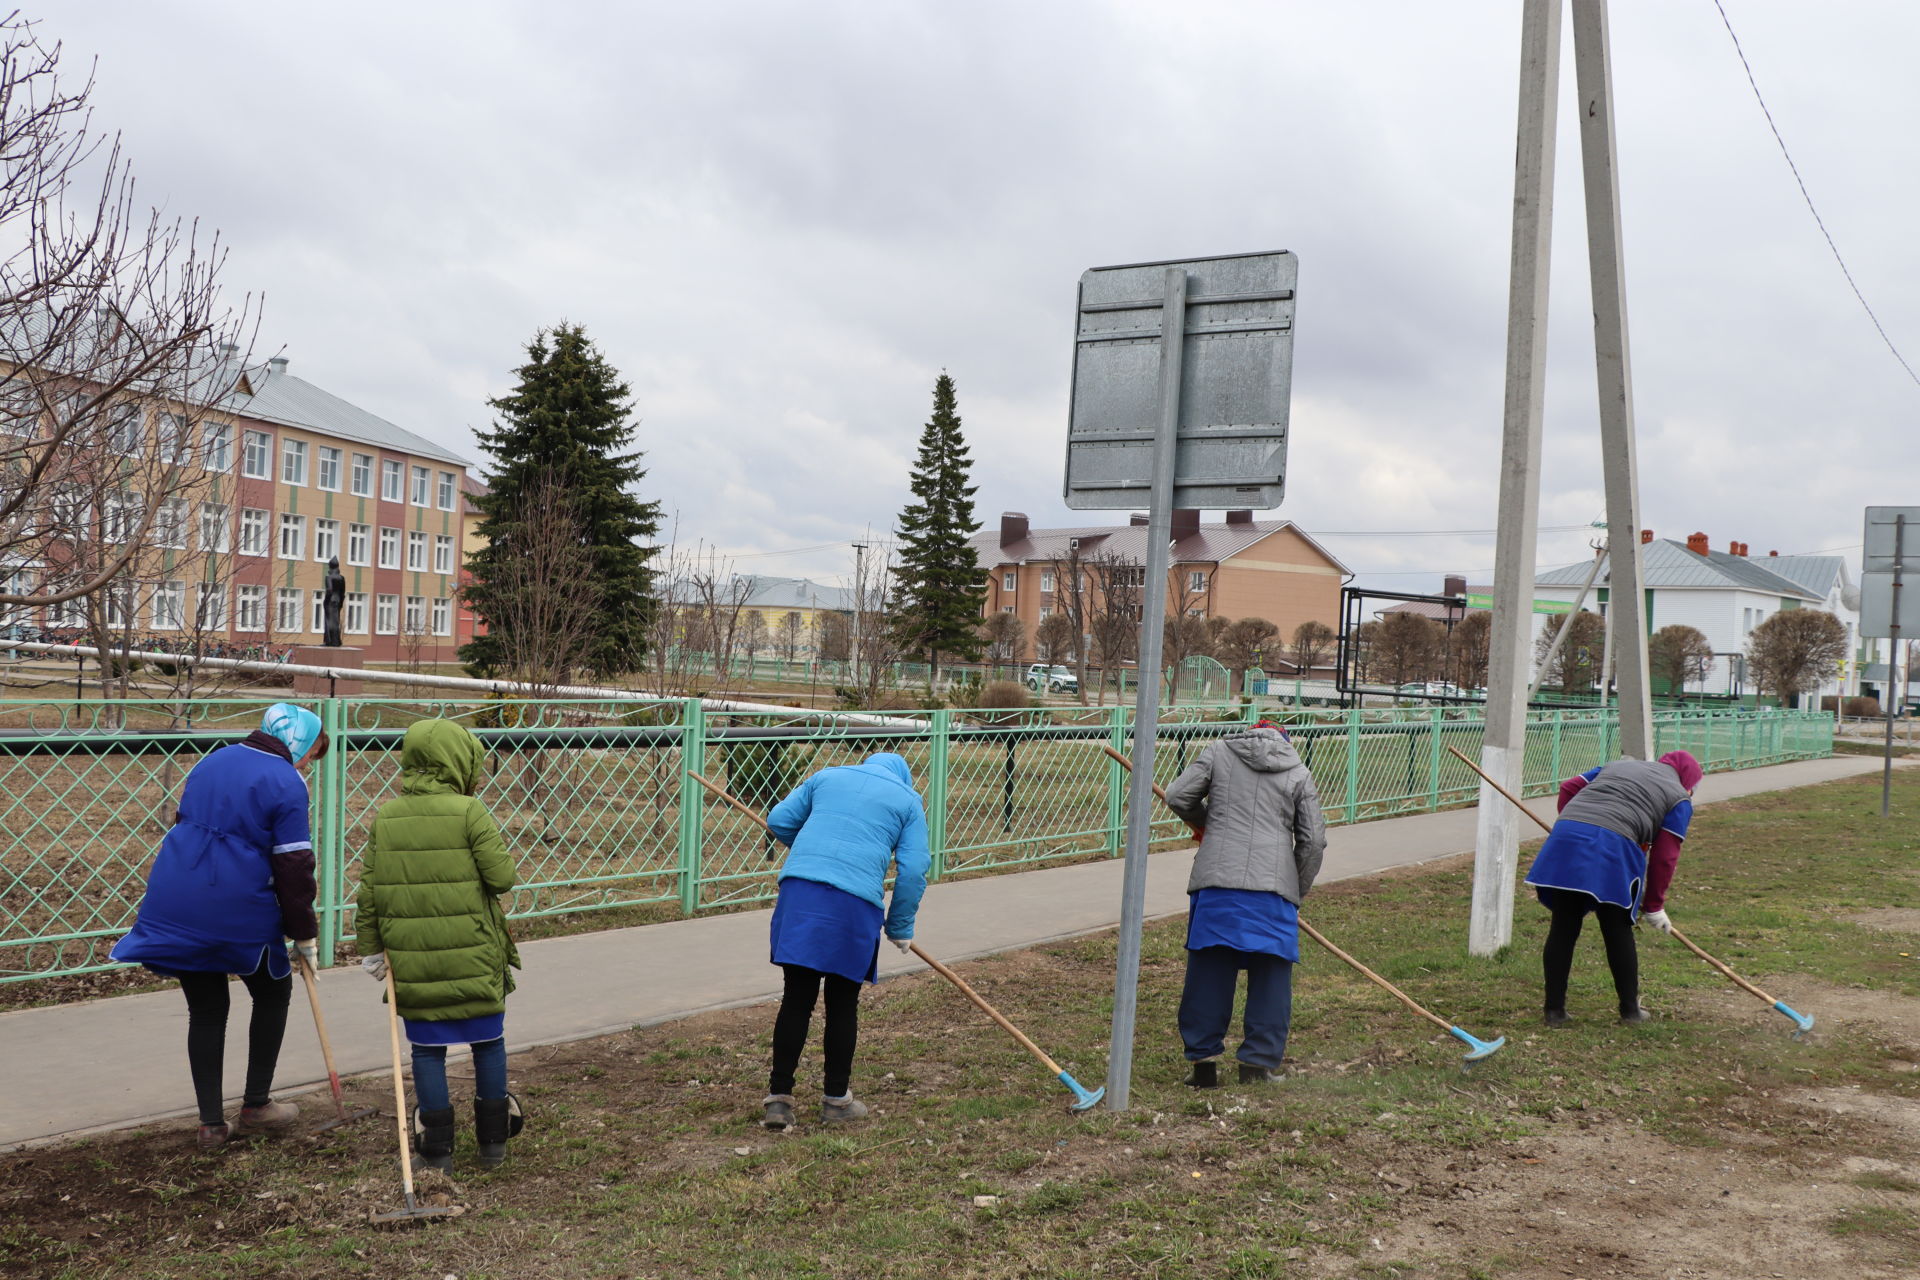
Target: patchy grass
x=1585, y=1150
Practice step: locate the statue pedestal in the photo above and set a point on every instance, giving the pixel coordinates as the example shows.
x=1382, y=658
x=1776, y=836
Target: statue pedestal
x=319, y=655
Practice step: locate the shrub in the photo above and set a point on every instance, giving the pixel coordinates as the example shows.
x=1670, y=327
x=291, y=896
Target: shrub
x=1869, y=707
x=1001, y=702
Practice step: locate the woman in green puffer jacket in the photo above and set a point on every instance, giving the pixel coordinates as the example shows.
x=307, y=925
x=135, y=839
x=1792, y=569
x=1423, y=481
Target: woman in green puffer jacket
x=429, y=906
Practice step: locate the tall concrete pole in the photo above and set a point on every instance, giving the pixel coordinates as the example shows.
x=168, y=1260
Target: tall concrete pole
x=1503, y=749
x=1626, y=582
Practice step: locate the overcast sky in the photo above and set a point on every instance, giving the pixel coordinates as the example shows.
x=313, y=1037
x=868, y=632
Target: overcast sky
x=782, y=220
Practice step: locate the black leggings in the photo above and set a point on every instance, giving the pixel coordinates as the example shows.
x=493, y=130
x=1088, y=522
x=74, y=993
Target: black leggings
x=796, y=1016
x=1616, y=929
x=207, y=1004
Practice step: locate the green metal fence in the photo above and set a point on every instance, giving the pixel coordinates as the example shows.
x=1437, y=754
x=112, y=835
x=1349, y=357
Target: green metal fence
x=597, y=806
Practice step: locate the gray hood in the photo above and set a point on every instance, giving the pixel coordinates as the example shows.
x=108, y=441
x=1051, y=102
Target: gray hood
x=1264, y=750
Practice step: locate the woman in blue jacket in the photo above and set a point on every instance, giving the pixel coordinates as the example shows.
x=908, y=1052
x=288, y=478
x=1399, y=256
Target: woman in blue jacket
x=233, y=878
x=844, y=827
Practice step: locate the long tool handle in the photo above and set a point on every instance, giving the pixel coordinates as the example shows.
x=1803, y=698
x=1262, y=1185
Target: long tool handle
x=1158, y=790
x=1738, y=981
x=987, y=1009
x=722, y=792
x=1319, y=937
x=320, y=1029
x=1517, y=802
x=399, y=1089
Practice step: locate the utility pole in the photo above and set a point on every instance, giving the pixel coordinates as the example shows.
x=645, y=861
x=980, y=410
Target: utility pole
x=859, y=606
x=1503, y=746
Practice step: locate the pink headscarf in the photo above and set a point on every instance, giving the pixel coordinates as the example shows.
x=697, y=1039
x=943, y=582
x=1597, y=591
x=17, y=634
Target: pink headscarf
x=1683, y=763
x=1265, y=723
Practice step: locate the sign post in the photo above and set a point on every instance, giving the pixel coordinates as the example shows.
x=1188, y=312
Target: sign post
x=1190, y=424
x=1887, y=609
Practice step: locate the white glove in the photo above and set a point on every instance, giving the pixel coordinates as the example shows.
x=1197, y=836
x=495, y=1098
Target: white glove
x=905, y=945
x=308, y=949
x=1658, y=919
x=375, y=965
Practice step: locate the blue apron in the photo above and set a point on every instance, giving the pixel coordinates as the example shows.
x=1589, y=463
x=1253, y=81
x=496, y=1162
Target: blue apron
x=820, y=927
x=1246, y=920
x=1579, y=857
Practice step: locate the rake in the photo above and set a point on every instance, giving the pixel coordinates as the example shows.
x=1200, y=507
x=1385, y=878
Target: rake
x=1477, y=1048
x=1802, y=1022
x=414, y=1210
x=341, y=1114
x=1083, y=1098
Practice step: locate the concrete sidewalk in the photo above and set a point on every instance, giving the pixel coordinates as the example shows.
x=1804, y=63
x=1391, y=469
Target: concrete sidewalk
x=112, y=1063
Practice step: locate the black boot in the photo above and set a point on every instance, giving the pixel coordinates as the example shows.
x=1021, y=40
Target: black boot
x=433, y=1132
x=1558, y=1018
x=1205, y=1075
x=1254, y=1073
x=494, y=1121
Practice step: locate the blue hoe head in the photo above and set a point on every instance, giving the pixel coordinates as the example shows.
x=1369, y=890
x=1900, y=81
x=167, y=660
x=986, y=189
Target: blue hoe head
x=1800, y=1020
x=1083, y=1099
x=1477, y=1047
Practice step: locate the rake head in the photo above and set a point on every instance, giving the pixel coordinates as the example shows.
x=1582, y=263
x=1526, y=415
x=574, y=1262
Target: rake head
x=1476, y=1047
x=1803, y=1021
x=345, y=1119
x=415, y=1212
x=1083, y=1098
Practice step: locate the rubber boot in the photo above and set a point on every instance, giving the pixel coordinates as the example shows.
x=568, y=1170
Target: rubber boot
x=212, y=1137
x=779, y=1111
x=494, y=1121
x=1634, y=1017
x=1205, y=1075
x=1557, y=1018
x=1254, y=1073
x=433, y=1136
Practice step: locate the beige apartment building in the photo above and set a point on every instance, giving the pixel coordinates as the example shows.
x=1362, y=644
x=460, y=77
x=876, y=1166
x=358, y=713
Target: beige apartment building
x=1236, y=568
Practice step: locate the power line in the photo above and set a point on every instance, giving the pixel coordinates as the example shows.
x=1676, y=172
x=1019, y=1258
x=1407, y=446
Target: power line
x=1437, y=533
x=1805, y=195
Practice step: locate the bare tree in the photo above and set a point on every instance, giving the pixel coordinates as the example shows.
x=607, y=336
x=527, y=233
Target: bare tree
x=695, y=623
x=1407, y=648
x=1360, y=650
x=1679, y=655
x=1471, y=645
x=790, y=632
x=876, y=643
x=1119, y=585
x=1795, y=650
x=753, y=635
x=1074, y=597
x=115, y=347
x=1576, y=663
x=1054, y=639
x=542, y=591
x=834, y=637
x=1243, y=644
x=1004, y=637
x=1312, y=643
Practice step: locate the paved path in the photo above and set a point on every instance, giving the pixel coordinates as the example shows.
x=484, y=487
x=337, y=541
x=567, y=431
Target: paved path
x=108, y=1064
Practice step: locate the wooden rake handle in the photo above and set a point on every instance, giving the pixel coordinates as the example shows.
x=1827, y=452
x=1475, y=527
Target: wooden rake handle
x=1158, y=790
x=931, y=963
x=1321, y=938
x=400, y=1089
x=1519, y=804
x=320, y=1029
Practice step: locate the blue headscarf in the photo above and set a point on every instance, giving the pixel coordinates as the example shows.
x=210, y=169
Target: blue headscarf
x=297, y=727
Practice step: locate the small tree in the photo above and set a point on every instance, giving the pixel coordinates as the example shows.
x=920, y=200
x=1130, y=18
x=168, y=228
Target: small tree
x=937, y=581
x=1794, y=651
x=1679, y=655
x=1004, y=637
x=1312, y=643
x=1576, y=664
x=1407, y=648
x=1054, y=640
x=545, y=593
x=1242, y=644
x=1472, y=647
x=1079, y=604
x=1119, y=584
x=834, y=634
x=753, y=635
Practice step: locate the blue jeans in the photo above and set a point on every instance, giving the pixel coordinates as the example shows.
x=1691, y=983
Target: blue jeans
x=430, y=1073
x=1206, y=1005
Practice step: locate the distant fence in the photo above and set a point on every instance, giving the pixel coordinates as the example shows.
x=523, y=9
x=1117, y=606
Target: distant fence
x=598, y=810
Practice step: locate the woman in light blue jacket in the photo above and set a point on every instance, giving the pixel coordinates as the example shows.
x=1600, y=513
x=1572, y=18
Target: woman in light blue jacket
x=844, y=828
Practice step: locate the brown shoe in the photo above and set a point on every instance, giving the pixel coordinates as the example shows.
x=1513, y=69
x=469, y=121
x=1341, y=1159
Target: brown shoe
x=212, y=1137
x=274, y=1117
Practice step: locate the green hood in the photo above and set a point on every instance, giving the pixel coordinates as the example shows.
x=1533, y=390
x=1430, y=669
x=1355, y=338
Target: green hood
x=438, y=756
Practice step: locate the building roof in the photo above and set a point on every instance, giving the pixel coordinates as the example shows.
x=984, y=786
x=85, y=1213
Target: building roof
x=279, y=397
x=1210, y=545
x=1820, y=575
x=795, y=593
x=1429, y=609
x=1670, y=565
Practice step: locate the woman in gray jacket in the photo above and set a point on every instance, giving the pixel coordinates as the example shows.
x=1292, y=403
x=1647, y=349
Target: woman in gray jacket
x=1262, y=835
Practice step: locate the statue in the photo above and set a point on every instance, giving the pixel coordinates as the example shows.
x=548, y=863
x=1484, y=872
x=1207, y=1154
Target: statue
x=336, y=595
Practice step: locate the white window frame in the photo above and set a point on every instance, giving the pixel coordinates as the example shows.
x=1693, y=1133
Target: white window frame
x=170, y=525
x=327, y=459
x=256, y=455
x=126, y=426
x=443, y=553
x=1196, y=580
x=120, y=603
x=1046, y=580
x=420, y=489
x=353, y=614
x=414, y=617
x=293, y=463
x=216, y=446
x=442, y=616
x=360, y=478
x=361, y=536
x=386, y=615
x=389, y=543
x=169, y=605
x=172, y=439
x=120, y=516
x=216, y=518
x=210, y=607
x=286, y=610
x=416, y=551
x=293, y=548
x=447, y=493
x=326, y=538
x=319, y=626
x=256, y=531
x=393, y=481
x=250, y=608
x=1010, y=581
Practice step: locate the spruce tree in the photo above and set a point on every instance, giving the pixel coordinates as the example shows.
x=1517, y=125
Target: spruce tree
x=566, y=425
x=939, y=583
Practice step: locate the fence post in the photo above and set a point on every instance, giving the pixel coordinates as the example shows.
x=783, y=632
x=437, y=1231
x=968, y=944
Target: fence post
x=1433, y=756
x=331, y=802
x=1555, y=773
x=1116, y=781
x=1353, y=763
x=693, y=756
x=937, y=791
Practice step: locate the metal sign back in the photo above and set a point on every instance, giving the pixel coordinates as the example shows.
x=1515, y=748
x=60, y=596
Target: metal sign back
x=1877, y=616
x=1880, y=537
x=1236, y=382
x=1889, y=601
